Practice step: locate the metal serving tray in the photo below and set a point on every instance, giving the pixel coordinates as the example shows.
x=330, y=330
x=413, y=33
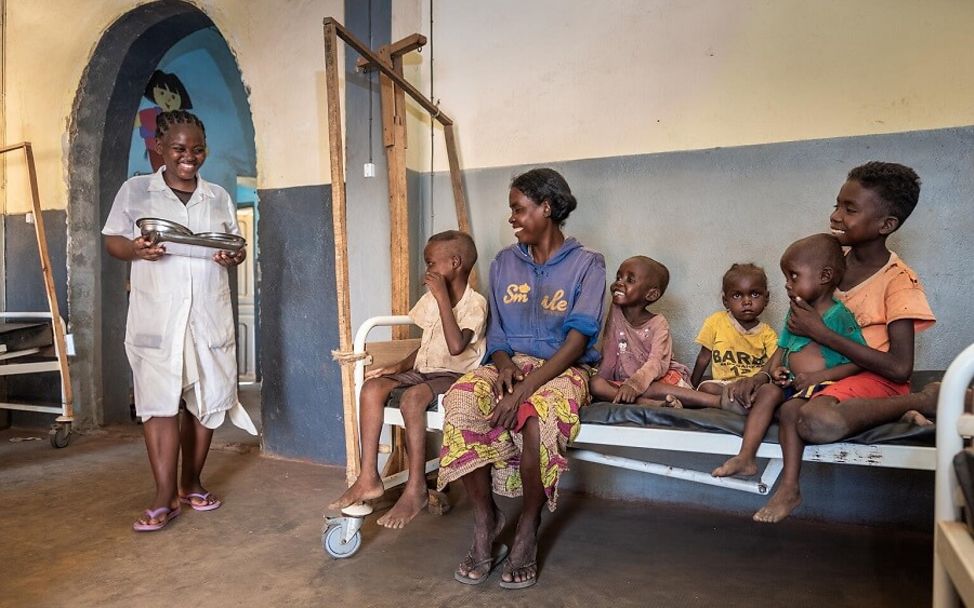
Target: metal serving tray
x=235, y=244
x=158, y=230
x=159, y=225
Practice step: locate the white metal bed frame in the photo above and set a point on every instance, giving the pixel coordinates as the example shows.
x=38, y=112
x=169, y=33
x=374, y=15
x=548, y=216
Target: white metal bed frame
x=593, y=435
x=953, y=556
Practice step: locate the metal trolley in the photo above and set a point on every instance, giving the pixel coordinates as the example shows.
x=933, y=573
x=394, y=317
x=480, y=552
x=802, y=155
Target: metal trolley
x=59, y=339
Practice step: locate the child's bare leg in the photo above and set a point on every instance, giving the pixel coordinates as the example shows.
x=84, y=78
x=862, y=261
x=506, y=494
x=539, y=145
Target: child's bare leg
x=826, y=420
x=711, y=388
x=194, y=439
x=787, y=495
x=415, y=495
x=601, y=389
x=766, y=401
x=687, y=396
x=369, y=484
x=648, y=401
x=927, y=405
x=162, y=444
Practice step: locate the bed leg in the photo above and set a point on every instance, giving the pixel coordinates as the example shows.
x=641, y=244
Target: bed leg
x=770, y=475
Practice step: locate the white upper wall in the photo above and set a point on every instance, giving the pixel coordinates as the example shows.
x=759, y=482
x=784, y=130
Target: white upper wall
x=279, y=49
x=550, y=80
x=544, y=80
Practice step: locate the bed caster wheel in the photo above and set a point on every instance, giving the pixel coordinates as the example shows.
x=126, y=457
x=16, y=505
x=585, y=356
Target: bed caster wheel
x=341, y=537
x=60, y=435
x=335, y=545
x=438, y=504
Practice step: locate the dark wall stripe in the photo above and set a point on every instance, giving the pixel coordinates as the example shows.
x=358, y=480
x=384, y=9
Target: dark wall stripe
x=301, y=393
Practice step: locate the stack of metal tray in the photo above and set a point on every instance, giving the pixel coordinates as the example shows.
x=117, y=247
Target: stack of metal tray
x=157, y=230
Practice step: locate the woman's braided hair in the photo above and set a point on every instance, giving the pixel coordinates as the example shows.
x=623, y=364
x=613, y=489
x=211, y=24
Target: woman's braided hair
x=166, y=120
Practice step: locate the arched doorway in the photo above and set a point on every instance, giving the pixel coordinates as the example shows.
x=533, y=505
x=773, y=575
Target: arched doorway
x=101, y=136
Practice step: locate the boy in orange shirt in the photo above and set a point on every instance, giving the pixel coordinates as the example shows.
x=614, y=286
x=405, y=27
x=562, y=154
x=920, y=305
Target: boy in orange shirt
x=890, y=305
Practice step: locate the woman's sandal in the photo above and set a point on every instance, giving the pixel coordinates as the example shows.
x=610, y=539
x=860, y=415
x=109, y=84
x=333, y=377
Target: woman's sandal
x=493, y=561
x=165, y=513
x=520, y=584
x=209, y=503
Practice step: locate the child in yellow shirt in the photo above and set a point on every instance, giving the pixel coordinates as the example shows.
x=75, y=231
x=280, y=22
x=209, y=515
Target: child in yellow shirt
x=734, y=342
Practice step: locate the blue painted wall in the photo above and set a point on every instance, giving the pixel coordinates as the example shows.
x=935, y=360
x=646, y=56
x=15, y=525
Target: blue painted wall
x=206, y=68
x=301, y=394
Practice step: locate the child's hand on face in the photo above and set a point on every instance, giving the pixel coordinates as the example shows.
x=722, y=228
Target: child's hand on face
x=782, y=376
x=145, y=250
x=435, y=282
x=625, y=394
x=805, y=320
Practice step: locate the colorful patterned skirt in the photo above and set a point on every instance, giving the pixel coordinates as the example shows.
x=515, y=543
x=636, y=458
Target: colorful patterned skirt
x=469, y=442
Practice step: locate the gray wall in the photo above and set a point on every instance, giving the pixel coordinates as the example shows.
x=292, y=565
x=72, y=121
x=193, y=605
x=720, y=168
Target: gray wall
x=301, y=394
x=700, y=211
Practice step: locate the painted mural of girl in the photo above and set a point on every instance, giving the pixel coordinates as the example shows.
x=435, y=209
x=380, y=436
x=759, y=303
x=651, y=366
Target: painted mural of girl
x=168, y=93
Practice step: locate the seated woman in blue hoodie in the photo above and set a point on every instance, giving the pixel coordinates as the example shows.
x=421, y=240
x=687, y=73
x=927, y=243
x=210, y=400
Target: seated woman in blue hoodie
x=508, y=424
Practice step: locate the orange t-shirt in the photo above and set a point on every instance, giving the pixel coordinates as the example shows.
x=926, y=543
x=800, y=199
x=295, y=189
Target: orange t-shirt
x=894, y=292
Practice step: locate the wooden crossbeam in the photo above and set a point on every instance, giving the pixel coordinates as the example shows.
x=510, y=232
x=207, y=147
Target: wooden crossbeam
x=387, y=69
x=410, y=43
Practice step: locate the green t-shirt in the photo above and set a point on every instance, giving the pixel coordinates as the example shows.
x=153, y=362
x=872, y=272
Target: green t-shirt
x=839, y=319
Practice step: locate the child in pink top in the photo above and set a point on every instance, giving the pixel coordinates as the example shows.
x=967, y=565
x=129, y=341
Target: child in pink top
x=637, y=354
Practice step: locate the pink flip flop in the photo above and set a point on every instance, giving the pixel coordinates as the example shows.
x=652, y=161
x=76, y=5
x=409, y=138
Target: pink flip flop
x=206, y=506
x=165, y=513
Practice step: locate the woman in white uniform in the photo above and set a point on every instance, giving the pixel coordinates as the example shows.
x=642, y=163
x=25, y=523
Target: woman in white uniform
x=179, y=335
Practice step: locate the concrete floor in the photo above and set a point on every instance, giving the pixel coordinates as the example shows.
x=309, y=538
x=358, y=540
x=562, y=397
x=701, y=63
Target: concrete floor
x=65, y=540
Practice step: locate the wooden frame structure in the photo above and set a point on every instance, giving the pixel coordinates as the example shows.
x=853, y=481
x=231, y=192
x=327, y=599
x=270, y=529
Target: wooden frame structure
x=393, y=89
x=66, y=410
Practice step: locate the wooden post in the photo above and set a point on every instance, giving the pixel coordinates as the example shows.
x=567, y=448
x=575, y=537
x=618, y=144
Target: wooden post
x=394, y=124
x=60, y=347
x=336, y=154
x=459, y=199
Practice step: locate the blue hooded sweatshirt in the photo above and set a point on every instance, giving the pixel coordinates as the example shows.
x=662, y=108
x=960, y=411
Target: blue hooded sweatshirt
x=533, y=306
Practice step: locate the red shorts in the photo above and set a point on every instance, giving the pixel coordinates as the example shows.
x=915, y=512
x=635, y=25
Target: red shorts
x=864, y=385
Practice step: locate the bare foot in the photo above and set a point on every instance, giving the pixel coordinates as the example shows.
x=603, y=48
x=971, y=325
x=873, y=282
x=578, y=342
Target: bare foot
x=916, y=418
x=738, y=465
x=780, y=506
x=926, y=404
x=484, y=533
x=673, y=402
x=365, y=488
x=412, y=501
